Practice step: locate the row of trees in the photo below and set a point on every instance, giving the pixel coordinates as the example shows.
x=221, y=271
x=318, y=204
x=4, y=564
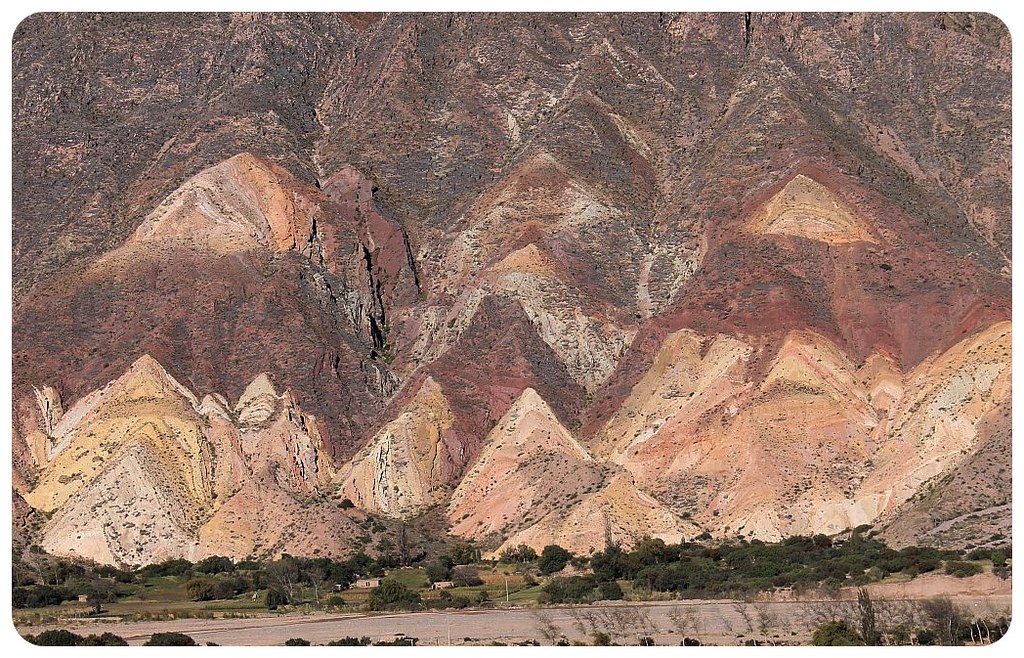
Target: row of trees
x=741, y=566
x=937, y=621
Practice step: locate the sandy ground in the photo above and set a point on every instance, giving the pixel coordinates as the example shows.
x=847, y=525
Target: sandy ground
x=718, y=622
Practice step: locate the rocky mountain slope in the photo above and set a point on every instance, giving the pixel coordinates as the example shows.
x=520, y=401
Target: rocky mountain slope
x=558, y=278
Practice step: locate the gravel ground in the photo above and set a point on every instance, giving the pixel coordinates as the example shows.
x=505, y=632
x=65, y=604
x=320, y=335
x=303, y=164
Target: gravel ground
x=718, y=622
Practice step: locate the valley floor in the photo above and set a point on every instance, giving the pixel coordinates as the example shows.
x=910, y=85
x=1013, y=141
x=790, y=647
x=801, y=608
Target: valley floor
x=721, y=622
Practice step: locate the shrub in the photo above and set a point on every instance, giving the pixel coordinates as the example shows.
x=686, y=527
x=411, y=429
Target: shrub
x=335, y=601
x=350, y=641
x=609, y=591
x=836, y=634
x=56, y=638
x=405, y=641
x=466, y=576
x=962, y=569
x=38, y=596
x=925, y=637
x=346, y=504
x=176, y=567
x=573, y=588
x=208, y=589
x=464, y=553
x=438, y=570
x=393, y=595
x=104, y=640
x=296, y=642
x=275, y=598
x=170, y=640
x=520, y=553
x=215, y=564
x=553, y=559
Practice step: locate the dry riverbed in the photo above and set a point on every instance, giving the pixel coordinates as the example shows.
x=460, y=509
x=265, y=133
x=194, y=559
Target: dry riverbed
x=667, y=622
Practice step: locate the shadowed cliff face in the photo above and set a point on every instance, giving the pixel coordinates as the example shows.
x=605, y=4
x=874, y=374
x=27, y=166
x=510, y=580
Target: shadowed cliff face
x=409, y=220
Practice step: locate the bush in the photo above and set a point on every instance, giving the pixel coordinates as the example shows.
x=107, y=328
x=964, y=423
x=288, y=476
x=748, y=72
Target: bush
x=296, y=642
x=925, y=637
x=275, y=598
x=335, y=601
x=553, y=559
x=215, y=564
x=176, y=567
x=573, y=588
x=346, y=504
x=609, y=591
x=836, y=634
x=405, y=641
x=104, y=640
x=170, y=640
x=438, y=570
x=38, y=596
x=208, y=589
x=464, y=553
x=56, y=638
x=350, y=641
x=393, y=595
x=466, y=576
x=962, y=569
x=521, y=553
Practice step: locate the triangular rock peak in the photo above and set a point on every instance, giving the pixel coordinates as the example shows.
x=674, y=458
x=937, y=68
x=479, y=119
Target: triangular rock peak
x=234, y=205
x=805, y=208
x=406, y=465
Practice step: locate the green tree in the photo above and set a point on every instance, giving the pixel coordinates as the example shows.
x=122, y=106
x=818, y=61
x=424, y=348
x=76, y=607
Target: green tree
x=56, y=638
x=573, y=588
x=867, y=618
x=836, y=634
x=170, y=640
x=215, y=564
x=100, y=591
x=553, y=559
x=393, y=595
x=520, y=553
x=610, y=591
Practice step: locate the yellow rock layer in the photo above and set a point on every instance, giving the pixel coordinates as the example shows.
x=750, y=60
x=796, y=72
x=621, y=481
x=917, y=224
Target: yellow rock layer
x=135, y=469
x=805, y=208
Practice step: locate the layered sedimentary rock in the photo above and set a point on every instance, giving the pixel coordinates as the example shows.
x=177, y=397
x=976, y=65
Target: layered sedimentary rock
x=405, y=467
x=530, y=464
x=815, y=444
x=805, y=208
x=728, y=268
x=141, y=471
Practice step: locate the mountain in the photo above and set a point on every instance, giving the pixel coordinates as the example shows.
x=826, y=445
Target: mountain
x=539, y=278
x=141, y=471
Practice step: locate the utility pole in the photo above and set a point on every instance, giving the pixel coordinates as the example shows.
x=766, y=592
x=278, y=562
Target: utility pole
x=506, y=589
